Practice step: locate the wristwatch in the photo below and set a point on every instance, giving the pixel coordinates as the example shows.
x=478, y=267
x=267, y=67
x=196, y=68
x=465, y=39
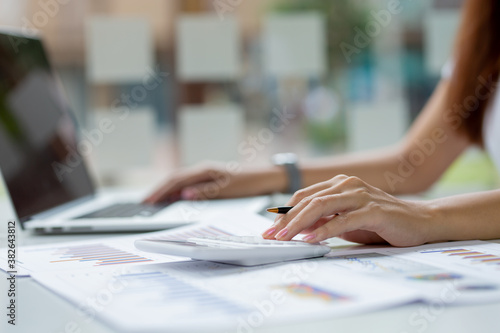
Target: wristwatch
x=289, y=161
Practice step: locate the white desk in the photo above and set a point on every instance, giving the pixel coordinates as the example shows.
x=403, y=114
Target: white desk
x=39, y=310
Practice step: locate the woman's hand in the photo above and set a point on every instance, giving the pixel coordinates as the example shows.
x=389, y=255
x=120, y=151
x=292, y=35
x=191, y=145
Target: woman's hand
x=218, y=181
x=349, y=208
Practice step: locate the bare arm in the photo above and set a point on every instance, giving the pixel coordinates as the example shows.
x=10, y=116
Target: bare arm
x=427, y=150
x=466, y=216
x=352, y=209
x=359, y=208
x=412, y=166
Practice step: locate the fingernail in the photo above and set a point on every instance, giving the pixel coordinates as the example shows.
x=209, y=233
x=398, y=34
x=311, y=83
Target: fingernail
x=269, y=232
x=309, y=237
x=282, y=233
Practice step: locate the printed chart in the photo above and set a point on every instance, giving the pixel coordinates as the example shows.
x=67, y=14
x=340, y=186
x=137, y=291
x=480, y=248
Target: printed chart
x=165, y=297
x=307, y=291
x=379, y=263
x=469, y=256
x=98, y=254
x=432, y=270
x=474, y=257
x=121, y=250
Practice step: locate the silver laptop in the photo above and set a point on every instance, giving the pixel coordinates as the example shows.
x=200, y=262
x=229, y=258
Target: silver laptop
x=45, y=175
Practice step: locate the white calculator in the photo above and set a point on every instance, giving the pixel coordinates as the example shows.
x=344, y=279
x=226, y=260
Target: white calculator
x=236, y=250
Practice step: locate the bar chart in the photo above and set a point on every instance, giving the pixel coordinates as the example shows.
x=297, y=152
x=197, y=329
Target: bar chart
x=98, y=254
x=307, y=291
x=474, y=257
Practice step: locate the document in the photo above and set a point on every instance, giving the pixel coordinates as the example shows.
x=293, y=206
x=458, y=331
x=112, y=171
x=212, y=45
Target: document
x=450, y=273
x=134, y=291
x=116, y=251
x=205, y=296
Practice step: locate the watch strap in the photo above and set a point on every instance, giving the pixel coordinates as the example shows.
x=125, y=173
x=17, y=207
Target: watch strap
x=294, y=177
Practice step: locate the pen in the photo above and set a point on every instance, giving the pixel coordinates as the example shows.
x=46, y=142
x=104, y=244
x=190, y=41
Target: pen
x=284, y=210
x=279, y=210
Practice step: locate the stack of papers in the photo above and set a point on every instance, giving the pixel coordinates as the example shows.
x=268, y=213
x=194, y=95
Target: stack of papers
x=135, y=291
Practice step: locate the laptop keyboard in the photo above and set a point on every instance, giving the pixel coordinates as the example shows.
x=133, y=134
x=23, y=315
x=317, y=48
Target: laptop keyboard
x=124, y=210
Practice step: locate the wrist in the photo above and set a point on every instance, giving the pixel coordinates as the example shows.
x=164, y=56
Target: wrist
x=267, y=180
x=276, y=179
x=435, y=227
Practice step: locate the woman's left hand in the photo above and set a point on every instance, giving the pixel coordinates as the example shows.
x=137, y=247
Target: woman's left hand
x=349, y=208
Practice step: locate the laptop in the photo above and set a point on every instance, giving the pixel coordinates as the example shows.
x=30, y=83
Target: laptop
x=42, y=165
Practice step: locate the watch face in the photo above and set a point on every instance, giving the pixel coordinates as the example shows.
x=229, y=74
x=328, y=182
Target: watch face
x=284, y=158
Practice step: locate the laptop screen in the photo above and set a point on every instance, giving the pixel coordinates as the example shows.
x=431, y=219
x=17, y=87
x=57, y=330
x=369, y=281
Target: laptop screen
x=39, y=156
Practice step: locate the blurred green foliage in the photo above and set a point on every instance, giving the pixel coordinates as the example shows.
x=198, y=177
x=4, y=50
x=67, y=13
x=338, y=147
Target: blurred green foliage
x=323, y=134
x=342, y=16
x=472, y=168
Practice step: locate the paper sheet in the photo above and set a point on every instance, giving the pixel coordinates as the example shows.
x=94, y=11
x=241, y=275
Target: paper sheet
x=450, y=273
x=120, y=251
x=140, y=292
x=204, y=296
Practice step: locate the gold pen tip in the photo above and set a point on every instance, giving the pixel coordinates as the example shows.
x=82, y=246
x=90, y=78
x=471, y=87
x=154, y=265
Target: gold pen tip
x=273, y=210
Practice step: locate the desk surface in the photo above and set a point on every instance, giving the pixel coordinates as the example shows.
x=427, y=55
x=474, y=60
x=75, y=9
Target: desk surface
x=39, y=310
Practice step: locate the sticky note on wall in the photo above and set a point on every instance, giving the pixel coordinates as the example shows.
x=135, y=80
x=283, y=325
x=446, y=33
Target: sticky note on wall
x=376, y=125
x=210, y=133
x=294, y=45
x=208, y=49
x=121, y=140
x=118, y=49
x=440, y=30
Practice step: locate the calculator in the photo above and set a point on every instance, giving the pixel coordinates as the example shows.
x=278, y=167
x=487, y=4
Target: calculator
x=235, y=250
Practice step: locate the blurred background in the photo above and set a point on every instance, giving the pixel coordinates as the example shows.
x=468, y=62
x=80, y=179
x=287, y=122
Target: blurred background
x=184, y=81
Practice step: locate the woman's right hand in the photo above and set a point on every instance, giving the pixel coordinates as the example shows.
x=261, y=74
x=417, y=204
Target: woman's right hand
x=219, y=181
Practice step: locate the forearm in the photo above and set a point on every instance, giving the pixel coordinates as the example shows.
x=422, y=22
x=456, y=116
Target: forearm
x=469, y=216
x=372, y=167
x=427, y=150
x=389, y=169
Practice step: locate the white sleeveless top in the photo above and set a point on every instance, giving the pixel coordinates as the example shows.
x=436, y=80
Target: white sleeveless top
x=491, y=122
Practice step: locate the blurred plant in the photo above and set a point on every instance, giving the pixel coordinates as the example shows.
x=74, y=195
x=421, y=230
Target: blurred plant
x=342, y=16
x=323, y=107
x=325, y=121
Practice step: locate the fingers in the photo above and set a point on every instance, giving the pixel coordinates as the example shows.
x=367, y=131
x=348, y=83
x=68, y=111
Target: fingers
x=309, y=203
x=312, y=213
x=363, y=237
x=342, y=224
x=283, y=220
x=305, y=195
x=177, y=183
x=308, y=191
x=302, y=198
x=318, y=207
x=318, y=224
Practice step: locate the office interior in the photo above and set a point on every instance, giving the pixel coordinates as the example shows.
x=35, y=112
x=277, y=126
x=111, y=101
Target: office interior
x=204, y=80
x=190, y=81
